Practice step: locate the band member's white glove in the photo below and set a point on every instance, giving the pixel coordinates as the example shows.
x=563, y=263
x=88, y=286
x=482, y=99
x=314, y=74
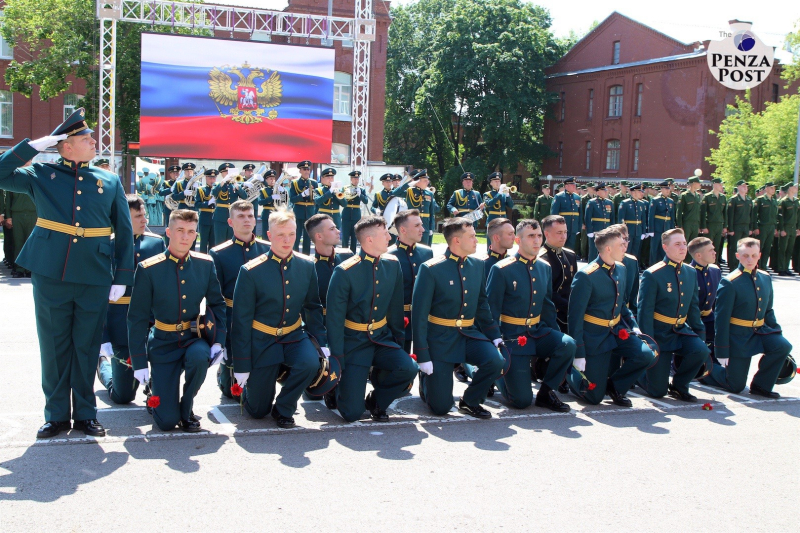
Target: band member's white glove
x=378, y=212
x=580, y=364
x=46, y=142
x=106, y=350
x=212, y=201
x=259, y=178
x=280, y=188
x=637, y=331
x=430, y=232
x=454, y=211
x=644, y=236
x=242, y=378
x=116, y=292
x=723, y=362
x=497, y=342
x=142, y=376
x=590, y=235
x=325, y=351
x=217, y=354
x=426, y=367
x=306, y=192
x=276, y=196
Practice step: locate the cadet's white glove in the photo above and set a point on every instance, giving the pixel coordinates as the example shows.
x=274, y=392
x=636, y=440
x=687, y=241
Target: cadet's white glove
x=306, y=192
x=46, y=142
x=143, y=375
x=242, y=378
x=426, y=367
x=652, y=234
x=580, y=364
x=497, y=342
x=116, y=292
x=326, y=352
x=106, y=350
x=217, y=354
x=637, y=331
x=276, y=196
x=644, y=236
x=590, y=235
x=723, y=362
x=212, y=201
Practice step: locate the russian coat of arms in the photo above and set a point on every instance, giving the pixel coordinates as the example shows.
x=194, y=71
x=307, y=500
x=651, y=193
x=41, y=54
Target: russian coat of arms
x=250, y=98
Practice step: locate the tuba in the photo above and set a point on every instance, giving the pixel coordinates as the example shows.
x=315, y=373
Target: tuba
x=253, y=187
x=170, y=202
x=191, y=189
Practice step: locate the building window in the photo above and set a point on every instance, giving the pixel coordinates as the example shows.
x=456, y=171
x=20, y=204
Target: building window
x=71, y=103
x=775, y=90
x=342, y=95
x=560, y=155
x=591, y=103
x=612, y=155
x=615, y=55
x=636, y=155
x=639, y=93
x=563, y=105
x=615, y=101
x=6, y=114
x=6, y=50
x=340, y=154
x=588, y=154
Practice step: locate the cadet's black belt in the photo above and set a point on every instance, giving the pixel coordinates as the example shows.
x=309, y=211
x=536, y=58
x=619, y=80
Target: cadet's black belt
x=570, y=213
x=328, y=210
x=277, y=332
x=451, y=323
x=747, y=323
x=632, y=221
x=124, y=300
x=659, y=217
x=520, y=321
x=304, y=203
x=173, y=327
x=602, y=321
x=228, y=302
x=372, y=327
x=73, y=230
x=669, y=320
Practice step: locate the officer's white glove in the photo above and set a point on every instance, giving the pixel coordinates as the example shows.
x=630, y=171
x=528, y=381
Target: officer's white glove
x=590, y=235
x=723, y=362
x=116, y=292
x=212, y=201
x=242, y=378
x=497, y=342
x=306, y=192
x=143, y=375
x=258, y=178
x=106, y=350
x=637, y=331
x=276, y=196
x=652, y=234
x=580, y=364
x=46, y=142
x=217, y=354
x=426, y=367
x=644, y=236
x=325, y=351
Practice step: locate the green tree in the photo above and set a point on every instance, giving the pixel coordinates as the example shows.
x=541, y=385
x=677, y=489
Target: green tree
x=791, y=72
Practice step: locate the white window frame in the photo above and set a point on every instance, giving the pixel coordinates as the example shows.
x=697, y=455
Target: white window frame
x=343, y=96
x=6, y=130
x=615, y=101
x=6, y=50
x=613, y=154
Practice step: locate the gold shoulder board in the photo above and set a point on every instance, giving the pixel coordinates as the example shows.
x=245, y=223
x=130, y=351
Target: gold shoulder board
x=542, y=261
x=347, y=263
x=733, y=275
x=151, y=234
x=657, y=266
x=199, y=255
x=591, y=268
x=631, y=256
x=434, y=260
x=388, y=256
x=153, y=260
x=255, y=262
x=505, y=262
x=222, y=246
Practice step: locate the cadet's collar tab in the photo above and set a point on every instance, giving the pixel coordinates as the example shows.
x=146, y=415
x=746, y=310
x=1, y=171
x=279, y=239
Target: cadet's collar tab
x=366, y=257
x=553, y=248
x=237, y=241
x=454, y=257
x=746, y=271
x=496, y=255
x=278, y=259
x=72, y=164
x=524, y=260
x=177, y=259
x=404, y=246
x=243, y=243
x=323, y=257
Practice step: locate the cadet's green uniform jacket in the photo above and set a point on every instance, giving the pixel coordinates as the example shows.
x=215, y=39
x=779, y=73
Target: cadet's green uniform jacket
x=765, y=212
x=324, y=266
x=205, y=225
x=633, y=214
x=411, y=258
x=740, y=222
x=497, y=205
x=490, y=260
x=631, y=263
x=351, y=215
x=328, y=203
x=661, y=217
x=787, y=221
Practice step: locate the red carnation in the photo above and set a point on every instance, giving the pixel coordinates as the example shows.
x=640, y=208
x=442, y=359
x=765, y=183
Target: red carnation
x=412, y=355
x=623, y=334
x=236, y=390
x=707, y=407
x=153, y=401
x=128, y=361
x=592, y=386
x=405, y=321
x=522, y=340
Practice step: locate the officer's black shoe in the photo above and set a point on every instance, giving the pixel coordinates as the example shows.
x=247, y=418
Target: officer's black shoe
x=194, y=417
x=16, y=274
x=284, y=422
x=378, y=415
x=563, y=388
x=91, y=427
x=190, y=426
x=758, y=391
x=51, y=429
x=682, y=396
x=461, y=374
x=548, y=399
x=492, y=390
x=421, y=393
x=616, y=397
x=330, y=399
x=477, y=411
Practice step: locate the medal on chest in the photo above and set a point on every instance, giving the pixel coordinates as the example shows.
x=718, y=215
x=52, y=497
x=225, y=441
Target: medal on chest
x=669, y=287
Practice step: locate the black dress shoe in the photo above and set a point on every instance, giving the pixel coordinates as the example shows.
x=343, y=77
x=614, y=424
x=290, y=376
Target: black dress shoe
x=461, y=374
x=284, y=422
x=477, y=412
x=90, y=427
x=378, y=415
x=616, y=397
x=492, y=390
x=682, y=396
x=758, y=391
x=330, y=399
x=51, y=429
x=190, y=426
x=550, y=400
x=16, y=274
x=563, y=388
x=419, y=388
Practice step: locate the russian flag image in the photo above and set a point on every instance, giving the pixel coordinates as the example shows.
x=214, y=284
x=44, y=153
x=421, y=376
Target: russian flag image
x=218, y=99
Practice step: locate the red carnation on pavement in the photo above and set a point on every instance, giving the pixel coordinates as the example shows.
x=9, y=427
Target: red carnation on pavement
x=405, y=321
x=236, y=389
x=522, y=340
x=153, y=401
x=413, y=355
x=623, y=334
x=592, y=386
x=707, y=407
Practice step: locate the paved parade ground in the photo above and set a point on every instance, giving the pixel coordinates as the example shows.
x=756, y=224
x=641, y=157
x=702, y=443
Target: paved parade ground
x=661, y=466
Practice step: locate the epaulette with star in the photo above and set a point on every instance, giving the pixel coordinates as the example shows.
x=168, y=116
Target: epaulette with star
x=349, y=263
x=505, y=262
x=153, y=260
x=434, y=260
x=222, y=246
x=657, y=266
x=255, y=262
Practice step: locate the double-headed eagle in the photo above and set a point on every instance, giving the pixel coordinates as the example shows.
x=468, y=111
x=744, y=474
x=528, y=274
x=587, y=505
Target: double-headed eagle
x=222, y=91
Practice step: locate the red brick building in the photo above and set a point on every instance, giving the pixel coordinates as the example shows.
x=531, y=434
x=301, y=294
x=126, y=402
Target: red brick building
x=637, y=104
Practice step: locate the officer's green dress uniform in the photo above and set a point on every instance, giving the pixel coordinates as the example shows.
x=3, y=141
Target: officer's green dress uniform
x=633, y=214
x=463, y=202
x=687, y=215
x=228, y=260
x=713, y=216
x=491, y=259
x=746, y=326
x=324, y=266
x=497, y=205
x=352, y=214
x=70, y=256
x=644, y=252
x=542, y=207
x=8, y=233
x=765, y=211
x=568, y=205
x=661, y=218
x=519, y=292
x=179, y=194
x=169, y=290
x=620, y=197
x=424, y=202
x=205, y=225
x=267, y=203
x=597, y=312
x=740, y=223
x=303, y=207
x=582, y=239
x=365, y=324
x=788, y=221
x=328, y=203
x=226, y=194
x=21, y=209
x=115, y=375
x=453, y=324
x=599, y=215
x=411, y=258
x=669, y=312
x=267, y=333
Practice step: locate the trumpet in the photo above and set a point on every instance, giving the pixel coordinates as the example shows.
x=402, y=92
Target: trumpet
x=431, y=190
x=505, y=189
x=336, y=189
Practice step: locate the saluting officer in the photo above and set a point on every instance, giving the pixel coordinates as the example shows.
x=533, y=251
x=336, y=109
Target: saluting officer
x=301, y=194
x=326, y=199
x=225, y=192
x=76, y=268
x=206, y=210
x=562, y=261
x=465, y=200
x=704, y=257
x=765, y=212
x=596, y=308
x=687, y=214
x=497, y=204
x=543, y=203
x=519, y=293
x=788, y=226
x=365, y=323
x=669, y=288
x=267, y=200
x=325, y=236
x=453, y=324
x=740, y=221
x=352, y=211
x=599, y=215
x=113, y=370
x=228, y=259
x=417, y=196
x=661, y=218
x=713, y=216
x=169, y=288
x=746, y=326
x=568, y=205
x=633, y=214
x=267, y=325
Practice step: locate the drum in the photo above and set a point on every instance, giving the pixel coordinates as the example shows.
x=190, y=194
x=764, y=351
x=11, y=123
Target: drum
x=393, y=206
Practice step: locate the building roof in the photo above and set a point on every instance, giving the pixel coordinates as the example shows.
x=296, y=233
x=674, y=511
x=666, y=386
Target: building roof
x=699, y=53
